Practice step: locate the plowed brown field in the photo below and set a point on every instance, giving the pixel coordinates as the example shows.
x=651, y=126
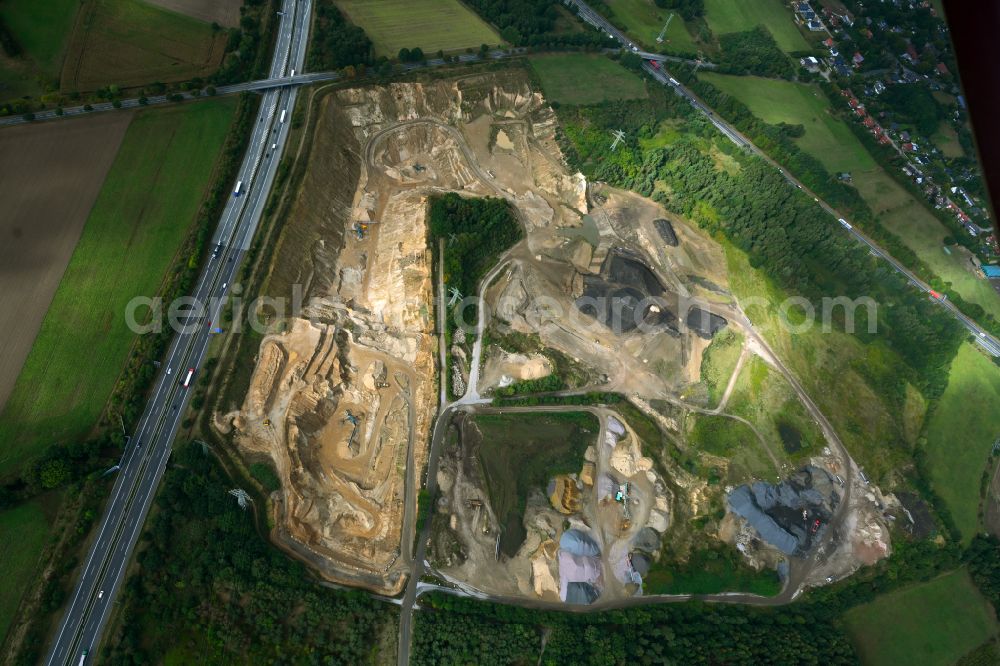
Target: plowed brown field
x=224, y=12
x=50, y=175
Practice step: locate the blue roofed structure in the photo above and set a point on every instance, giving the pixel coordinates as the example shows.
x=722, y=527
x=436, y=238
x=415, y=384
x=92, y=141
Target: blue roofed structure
x=991, y=271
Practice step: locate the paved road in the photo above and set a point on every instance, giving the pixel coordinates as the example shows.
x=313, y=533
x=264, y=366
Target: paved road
x=983, y=337
x=149, y=449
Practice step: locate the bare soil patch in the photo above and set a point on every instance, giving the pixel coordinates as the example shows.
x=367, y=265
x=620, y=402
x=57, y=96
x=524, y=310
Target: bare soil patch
x=224, y=12
x=50, y=175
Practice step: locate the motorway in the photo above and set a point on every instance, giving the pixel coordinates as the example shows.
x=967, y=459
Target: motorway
x=148, y=449
x=986, y=340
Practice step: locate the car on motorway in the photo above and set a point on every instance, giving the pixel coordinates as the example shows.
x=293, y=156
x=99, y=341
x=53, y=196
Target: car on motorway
x=100, y=595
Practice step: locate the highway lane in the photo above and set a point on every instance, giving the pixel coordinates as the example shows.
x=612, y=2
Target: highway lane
x=145, y=459
x=986, y=340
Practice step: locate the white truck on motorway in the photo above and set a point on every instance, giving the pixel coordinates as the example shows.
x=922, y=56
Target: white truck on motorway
x=83, y=658
x=239, y=188
x=673, y=81
x=282, y=119
x=844, y=223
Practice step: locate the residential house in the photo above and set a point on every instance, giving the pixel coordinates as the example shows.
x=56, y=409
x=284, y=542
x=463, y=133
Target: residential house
x=811, y=64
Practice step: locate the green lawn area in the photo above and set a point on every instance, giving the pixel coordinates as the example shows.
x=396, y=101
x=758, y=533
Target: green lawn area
x=643, y=21
x=826, y=138
x=739, y=15
x=41, y=29
x=24, y=531
x=144, y=211
x=430, y=24
x=961, y=433
x=946, y=139
x=561, y=77
x=522, y=451
x=924, y=234
x=928, y=624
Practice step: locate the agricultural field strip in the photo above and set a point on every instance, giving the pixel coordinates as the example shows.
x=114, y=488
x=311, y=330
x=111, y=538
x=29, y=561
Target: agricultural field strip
x=87, y=626
x=431, y=25
x=41, y=226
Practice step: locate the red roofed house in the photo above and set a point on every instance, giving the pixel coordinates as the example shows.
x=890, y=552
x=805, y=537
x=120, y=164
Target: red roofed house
x=858, y=58
x=942, y=69
x=912, y=52
x=869, y=122
x=828, y=42
x=908, y=147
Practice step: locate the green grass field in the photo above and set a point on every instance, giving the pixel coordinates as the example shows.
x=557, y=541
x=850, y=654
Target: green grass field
x=718, y=362
x=133, y=43
x=142, y=214
x=430, y=24
x=961, y=433
x=924, y=234
x=738, y=15
x=522, y=451
x=763, y=397
x=605, y=79
x=946, y=139
x=827, y=364
x=826, y=138
x=643, y=21
x=24, y=531
x=41, y=28
x=933, y=623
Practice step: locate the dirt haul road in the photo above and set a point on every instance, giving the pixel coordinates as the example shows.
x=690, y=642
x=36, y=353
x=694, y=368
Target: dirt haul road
x=50, y=176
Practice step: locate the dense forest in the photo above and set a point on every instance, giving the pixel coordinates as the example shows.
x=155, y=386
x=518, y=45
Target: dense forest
x=784, y=233
x=476, y=232
x=463, y=631
x=212, y=590
x=753, y=52
x=336, y=43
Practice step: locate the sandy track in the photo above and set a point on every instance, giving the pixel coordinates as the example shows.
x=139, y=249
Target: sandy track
x=50, y=176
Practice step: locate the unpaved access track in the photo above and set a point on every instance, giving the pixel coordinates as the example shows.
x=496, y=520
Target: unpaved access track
x=50, y=176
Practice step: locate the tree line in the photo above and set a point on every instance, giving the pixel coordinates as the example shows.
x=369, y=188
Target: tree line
x=337, y=43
